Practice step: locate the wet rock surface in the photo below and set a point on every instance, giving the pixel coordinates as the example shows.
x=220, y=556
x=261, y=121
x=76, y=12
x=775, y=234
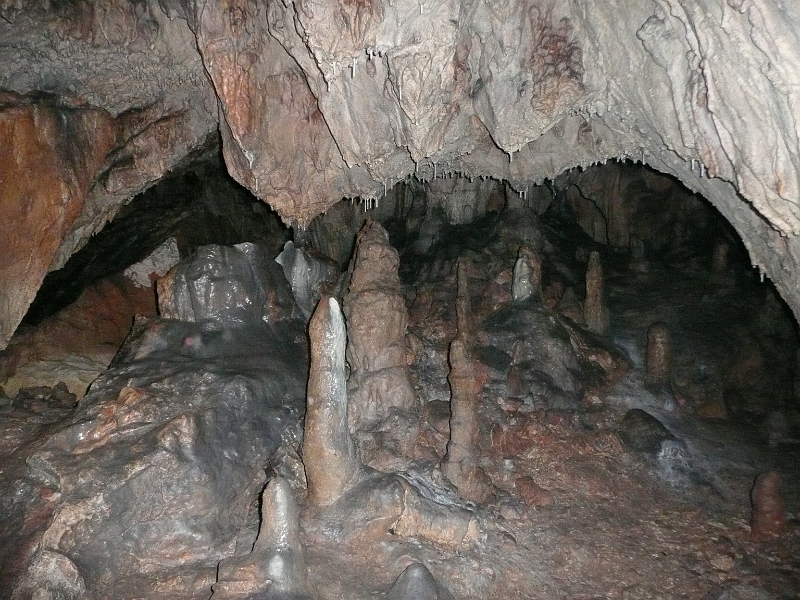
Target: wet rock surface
x=191, y=448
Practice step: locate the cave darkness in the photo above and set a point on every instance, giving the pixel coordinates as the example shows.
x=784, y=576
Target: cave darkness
x=408, y=299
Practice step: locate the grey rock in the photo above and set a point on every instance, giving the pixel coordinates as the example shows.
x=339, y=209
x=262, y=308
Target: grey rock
x=159, y=466
x=640, y=430
x=737, y=591
x=417, y=583
x=229, y=285
x=309, y=274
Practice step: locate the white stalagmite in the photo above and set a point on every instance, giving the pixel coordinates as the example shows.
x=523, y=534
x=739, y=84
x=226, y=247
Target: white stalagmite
x=329, y=455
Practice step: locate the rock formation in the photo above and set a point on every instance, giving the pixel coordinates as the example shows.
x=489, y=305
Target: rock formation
x=377, y=318
x=329, y=454
x=230, y=285
x=275, y=568
x=417, y=583
x=345, y=498
x=768, y=520
x=460, y=465
x=595, y=312
x=659, y=356
x=361, y=98
x=527, y=280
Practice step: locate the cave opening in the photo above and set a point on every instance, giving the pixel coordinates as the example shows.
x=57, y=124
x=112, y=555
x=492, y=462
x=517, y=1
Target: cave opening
x=610, y=345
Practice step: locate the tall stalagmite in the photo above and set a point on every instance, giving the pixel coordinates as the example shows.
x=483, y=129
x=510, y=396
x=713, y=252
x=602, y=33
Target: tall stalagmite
x=460, y=465
x=329, y=455
x=376, y=325
x=659, y=355
x=595, y=312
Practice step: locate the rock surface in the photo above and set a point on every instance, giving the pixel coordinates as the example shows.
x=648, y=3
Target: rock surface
x=360, y=96
x=377, y=318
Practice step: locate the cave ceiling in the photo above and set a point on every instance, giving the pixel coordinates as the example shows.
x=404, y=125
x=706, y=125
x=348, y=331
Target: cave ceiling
x=319, y=100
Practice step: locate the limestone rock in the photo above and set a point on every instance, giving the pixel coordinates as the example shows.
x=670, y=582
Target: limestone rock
x=309, y=274
x=532, y=493
x=527, y=280
x=377, y=318
x=768, y=521
x=329, y=454
x=460, y=465
x=642, y=431
x=156, y=264
x=275, y=569
x=229, y=285
x=417, y=583
x=659, y=356
x=143, y=484
x=595, y=312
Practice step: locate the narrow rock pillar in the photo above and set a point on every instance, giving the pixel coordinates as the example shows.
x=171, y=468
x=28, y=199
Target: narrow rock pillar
x=460, y=464
x=659, y=355
x=464, y=326
x=595, y=312
x=329, y=455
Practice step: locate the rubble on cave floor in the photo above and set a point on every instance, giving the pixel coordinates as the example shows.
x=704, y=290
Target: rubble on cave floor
x=584, y=464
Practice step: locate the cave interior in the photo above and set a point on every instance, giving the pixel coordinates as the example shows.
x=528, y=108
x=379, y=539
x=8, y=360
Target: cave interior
x=406, y=300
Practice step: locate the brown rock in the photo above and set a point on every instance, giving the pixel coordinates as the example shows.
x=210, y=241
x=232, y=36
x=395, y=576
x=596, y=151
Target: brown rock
x=532, y=493
x=768, y=520
x=595, y=312
x=377, y=318
x=464, y=316
x=460, y=465
x=569, y=306
x=329, y=455
x=510, y=441
x=50, y=155
x=659, y=355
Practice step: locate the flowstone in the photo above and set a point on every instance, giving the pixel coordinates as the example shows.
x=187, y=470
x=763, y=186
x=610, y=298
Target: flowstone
x=151, y=479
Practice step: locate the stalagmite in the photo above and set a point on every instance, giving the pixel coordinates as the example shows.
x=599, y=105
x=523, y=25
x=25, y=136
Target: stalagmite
x=768, y=521
x=460, y=465
x=376, y=326
x=659, y=356
x=329, y=455
x=464, y=316
x=594, y=310
x=417, y=583
x=275, y=568
x=527, y=280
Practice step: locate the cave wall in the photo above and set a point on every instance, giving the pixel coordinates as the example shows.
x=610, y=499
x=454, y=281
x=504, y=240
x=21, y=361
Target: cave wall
x=319, y=100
